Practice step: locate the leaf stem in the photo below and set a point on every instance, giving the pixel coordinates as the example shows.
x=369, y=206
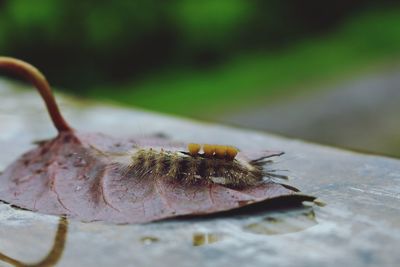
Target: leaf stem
x=33, y=75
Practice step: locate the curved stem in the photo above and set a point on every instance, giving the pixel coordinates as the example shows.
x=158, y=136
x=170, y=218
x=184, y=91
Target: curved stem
x=33, y=75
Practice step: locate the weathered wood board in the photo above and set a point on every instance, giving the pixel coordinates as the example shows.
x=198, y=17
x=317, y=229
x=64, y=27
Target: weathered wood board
x=359, y=226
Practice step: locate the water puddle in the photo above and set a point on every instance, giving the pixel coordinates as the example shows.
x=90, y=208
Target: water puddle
x=147, y=240
x=54, y=254
x=284, y=222
x=29, y=235
x=200, y=239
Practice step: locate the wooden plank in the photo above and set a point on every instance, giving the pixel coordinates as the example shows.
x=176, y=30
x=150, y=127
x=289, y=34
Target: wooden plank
x=360, y=224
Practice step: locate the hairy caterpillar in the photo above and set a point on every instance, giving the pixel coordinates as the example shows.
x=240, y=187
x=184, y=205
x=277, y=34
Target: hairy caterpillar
x=217, y=164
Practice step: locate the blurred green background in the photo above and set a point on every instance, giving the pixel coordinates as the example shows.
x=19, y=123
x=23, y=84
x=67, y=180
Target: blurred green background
x=252, y=63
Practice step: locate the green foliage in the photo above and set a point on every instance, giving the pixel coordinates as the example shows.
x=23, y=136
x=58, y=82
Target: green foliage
x=192, y=57
x=262, y=76
x=89, y=43
x=107, y=24
x=210, y=21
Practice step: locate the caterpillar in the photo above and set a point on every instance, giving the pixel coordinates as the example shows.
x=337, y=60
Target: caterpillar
x=216, y=164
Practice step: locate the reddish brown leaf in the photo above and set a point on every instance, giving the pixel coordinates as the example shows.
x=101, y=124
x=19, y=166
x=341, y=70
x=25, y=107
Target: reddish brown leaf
x=93, y=176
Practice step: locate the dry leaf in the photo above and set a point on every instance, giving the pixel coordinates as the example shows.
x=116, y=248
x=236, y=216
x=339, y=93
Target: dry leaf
x=97, y=177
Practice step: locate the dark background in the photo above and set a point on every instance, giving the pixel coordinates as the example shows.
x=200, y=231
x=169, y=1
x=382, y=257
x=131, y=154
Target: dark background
x=89, y=43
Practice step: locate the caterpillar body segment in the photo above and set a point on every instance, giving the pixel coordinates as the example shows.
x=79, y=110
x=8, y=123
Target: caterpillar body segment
x=205, y=164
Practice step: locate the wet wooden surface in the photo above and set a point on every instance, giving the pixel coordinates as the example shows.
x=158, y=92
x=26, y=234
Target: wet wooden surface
x=359, y=226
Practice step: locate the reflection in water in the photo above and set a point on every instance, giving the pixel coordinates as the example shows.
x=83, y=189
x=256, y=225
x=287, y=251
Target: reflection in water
x=271, y=223
x=200, y=239
x=319, y=202
x=284, y=222
x=55, y=253
x=147, y=240
x=275, y=223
